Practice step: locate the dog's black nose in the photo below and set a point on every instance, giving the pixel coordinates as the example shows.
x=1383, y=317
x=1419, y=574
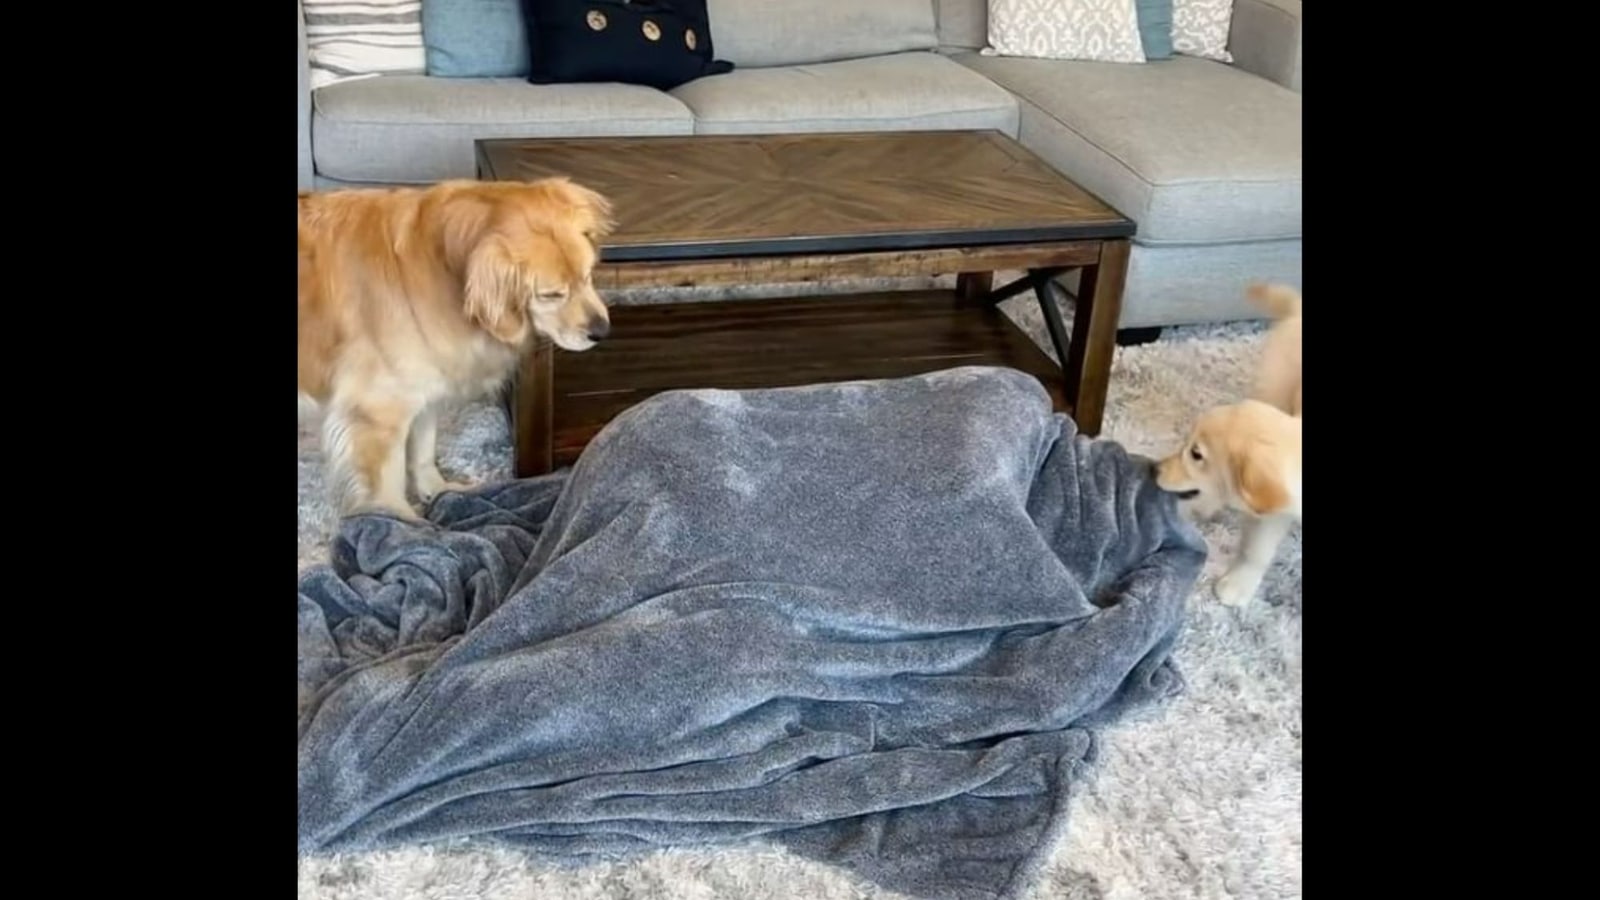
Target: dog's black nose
x=599, y=330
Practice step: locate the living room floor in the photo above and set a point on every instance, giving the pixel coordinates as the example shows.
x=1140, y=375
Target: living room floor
x=1198, y=797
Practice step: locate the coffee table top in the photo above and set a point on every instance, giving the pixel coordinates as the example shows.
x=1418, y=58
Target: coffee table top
x=704, y=196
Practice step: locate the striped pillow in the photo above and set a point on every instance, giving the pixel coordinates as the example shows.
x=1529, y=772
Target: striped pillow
x=347, y=39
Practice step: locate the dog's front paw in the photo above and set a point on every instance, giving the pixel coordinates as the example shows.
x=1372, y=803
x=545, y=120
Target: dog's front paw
x=1236, y=586
x=388, y=507
x=432, y=484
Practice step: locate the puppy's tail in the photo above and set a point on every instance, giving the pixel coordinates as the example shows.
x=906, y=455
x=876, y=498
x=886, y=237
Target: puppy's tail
x=1276, y=300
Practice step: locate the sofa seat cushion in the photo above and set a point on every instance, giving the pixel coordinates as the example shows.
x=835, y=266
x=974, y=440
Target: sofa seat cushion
x=899, y=92
x=404, y=129
x=1192, y=150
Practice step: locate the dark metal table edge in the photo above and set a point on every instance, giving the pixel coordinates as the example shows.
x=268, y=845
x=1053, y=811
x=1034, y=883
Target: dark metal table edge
x=752, y=136
x=865, y=243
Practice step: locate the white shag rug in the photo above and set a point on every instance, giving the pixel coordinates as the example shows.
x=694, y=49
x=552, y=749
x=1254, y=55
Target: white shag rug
x=1196, y=798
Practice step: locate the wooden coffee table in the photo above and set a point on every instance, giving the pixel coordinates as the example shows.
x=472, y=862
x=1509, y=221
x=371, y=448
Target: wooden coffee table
x=789, y=208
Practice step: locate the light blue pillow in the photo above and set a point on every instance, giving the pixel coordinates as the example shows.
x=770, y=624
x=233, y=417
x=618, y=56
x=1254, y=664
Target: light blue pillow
x=1155, y=27
x=478, y=38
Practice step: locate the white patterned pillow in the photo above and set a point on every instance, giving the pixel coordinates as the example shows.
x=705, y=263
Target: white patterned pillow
x=1200, y=28
x=1098, y=30
x=348, y=39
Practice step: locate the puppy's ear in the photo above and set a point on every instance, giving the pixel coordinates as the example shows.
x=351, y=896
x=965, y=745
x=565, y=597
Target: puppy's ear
x=494, y=295
x=1257, y=479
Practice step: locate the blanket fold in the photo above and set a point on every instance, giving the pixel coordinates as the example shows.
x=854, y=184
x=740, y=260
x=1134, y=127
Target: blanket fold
x=871, y=622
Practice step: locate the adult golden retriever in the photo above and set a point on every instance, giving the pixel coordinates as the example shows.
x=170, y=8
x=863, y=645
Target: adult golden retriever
x=411, y=298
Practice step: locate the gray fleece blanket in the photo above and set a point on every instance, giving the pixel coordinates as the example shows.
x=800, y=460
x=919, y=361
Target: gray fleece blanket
x=871, y=622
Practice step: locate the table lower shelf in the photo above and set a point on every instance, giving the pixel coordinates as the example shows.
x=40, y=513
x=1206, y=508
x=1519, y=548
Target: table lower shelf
x=743, y=344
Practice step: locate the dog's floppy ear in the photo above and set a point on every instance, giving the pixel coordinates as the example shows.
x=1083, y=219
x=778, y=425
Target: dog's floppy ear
x=494, y=295
x=462, y=213
x=584, y=208
x=596, y=212
x=1257, y=479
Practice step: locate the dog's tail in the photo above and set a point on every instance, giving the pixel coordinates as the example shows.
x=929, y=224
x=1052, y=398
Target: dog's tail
x=1276, y=300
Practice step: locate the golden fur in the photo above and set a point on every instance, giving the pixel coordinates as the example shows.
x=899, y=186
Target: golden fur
x=1246, y=456
x=1278, y=374
x=414, y=297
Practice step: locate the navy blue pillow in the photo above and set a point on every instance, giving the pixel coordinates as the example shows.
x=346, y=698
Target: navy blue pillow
x=657, y=43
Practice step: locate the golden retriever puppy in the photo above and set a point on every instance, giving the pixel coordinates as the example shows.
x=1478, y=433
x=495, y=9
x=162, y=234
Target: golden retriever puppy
x=1278, y=374
x=411, y=298
x=1246, y=456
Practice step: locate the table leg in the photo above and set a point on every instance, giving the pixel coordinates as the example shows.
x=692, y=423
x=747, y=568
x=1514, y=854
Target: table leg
x=1045, y=288
x=533, y=412
x=1094, y=335
x=973, y=287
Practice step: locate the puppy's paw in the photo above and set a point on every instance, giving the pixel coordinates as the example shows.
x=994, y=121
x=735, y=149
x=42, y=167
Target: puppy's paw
x=432, y=484
x=1236, y=587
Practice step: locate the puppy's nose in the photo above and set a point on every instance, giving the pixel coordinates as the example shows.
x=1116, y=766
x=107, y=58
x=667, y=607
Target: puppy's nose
x=599, y=330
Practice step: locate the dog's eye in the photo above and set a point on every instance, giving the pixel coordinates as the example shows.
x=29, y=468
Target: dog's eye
x=1194, y=453
x=552, y=296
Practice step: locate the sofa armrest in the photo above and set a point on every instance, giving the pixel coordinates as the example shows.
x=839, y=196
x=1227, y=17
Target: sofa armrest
x=306, y=167
x=1265, y=40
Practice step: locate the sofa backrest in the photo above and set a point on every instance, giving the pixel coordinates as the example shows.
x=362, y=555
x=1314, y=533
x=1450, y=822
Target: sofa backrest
x=756, y=33
x=963, y=24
